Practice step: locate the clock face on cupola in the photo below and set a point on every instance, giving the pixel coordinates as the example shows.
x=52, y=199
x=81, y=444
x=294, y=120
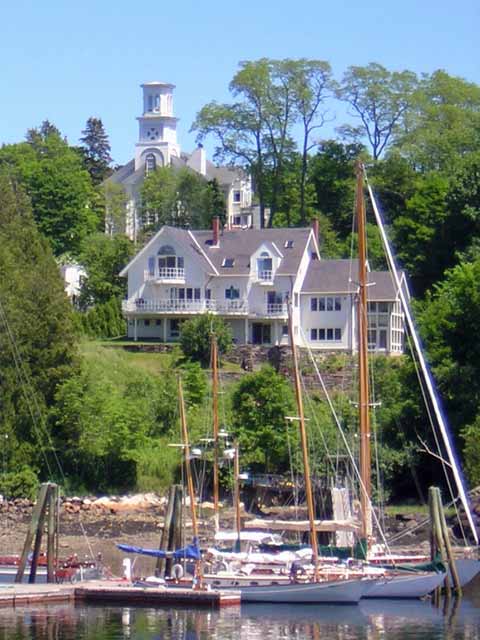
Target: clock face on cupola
x=152, y=133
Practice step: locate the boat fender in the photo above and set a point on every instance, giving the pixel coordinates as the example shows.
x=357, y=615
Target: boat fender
x=177, y=572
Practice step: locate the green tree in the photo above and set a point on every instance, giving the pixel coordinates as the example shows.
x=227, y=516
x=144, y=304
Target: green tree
x=448, y=320
x=260, y=403
x=255, y=132
x=312, y=84
x=37, y=350
x=444, y=125
x=114, y=202
x=104, y=257
x=180, y=198
x=58, y=186
x=214, y=204
x=380, y=99
x=109, y=417
x=196, y=337
x=96, y=150
x=420, y=233
x=331, y=171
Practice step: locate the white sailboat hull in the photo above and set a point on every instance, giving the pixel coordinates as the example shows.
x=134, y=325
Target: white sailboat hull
x=405, y=586
x=329, y=592
x=467, y=569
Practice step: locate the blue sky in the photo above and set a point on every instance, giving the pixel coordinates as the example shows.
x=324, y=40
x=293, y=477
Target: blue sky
x=67, y=60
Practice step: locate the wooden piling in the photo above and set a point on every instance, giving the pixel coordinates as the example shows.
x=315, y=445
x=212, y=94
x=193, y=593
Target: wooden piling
x=436, y=540
x=38, y=510
x=160, y=568
x=447, y=544
x=52, y=532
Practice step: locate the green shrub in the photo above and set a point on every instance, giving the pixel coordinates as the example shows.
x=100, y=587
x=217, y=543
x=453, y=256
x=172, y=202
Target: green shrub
x=20, y=484
x=196, y=337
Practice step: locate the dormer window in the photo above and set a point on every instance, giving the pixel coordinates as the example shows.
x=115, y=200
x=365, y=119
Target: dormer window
x=288, y=244
x=264, y=267
x=150, y=163
x=170, y=266
x=228, y=262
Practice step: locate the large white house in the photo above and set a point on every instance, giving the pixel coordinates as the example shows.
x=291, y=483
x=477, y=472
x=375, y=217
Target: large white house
x=157, y=146
x=246, y=276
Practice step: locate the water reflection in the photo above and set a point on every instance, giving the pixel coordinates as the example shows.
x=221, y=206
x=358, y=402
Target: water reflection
x=371, y=620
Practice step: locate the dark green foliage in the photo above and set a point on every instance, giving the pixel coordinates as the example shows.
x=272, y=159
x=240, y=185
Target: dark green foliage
x=108, y=417
x=103, y=258
x=96, y=150
x=104, y=320
x=19, y=484
x=196, y=334
x=58, y=186
x=181, y=198
x=332, y=174
x=214, y=204
x=260, y=403
x=449, y=319
x=37, y=350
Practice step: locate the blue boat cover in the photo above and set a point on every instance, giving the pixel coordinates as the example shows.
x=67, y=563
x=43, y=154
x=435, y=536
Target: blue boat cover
x=190, y=552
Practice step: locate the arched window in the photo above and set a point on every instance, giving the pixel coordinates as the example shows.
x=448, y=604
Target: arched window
x=264, y=266
x=150, y=163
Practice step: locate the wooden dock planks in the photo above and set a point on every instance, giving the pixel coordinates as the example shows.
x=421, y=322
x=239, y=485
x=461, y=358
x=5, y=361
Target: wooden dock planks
x=120, y=593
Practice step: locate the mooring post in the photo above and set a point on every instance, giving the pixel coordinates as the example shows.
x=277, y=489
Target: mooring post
x=175, y=532
x=437, y=545
x=448, y=546
x=34, y=522
x=38, y=535
x=52, y=533
x=160, y=568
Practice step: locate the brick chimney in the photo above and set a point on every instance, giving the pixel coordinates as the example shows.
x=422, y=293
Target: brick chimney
x=316, y=228
x=216, y=231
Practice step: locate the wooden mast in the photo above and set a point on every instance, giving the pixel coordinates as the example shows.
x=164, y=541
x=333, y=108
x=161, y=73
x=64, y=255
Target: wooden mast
x=214, y=358
x=303, y=437
x=188, y=471
x=365, y=454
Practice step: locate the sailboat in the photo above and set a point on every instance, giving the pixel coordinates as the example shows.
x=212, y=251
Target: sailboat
x=467, y=568
x=336, y=585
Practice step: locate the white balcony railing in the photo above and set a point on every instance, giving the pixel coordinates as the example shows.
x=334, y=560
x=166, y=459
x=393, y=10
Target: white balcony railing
x=166, y=273
x=175, y=306
x=277, y=309
x=239, y=306
x=265, y=275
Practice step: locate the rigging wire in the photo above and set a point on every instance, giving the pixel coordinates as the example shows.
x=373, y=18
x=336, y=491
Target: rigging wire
x=339, y=426
x=24, y=381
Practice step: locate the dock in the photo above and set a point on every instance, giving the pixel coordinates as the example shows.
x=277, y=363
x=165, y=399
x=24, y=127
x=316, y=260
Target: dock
x=112, y=592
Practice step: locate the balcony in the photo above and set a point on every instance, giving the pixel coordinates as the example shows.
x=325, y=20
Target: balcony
x=171, y=275
x=232, y=307
x=277, y=309
x=176, y=307
x=265, y=276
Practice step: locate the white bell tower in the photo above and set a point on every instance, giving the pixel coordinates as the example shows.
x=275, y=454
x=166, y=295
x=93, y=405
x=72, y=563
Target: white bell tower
x=157, y=140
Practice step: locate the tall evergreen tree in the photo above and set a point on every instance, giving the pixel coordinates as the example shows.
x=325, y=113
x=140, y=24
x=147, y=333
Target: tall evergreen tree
x=96, y=150
x=36, y=333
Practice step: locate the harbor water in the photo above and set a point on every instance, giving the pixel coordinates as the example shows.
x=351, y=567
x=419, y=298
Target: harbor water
x=370, y=620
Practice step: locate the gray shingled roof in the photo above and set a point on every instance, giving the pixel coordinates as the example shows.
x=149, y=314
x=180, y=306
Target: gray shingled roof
x=124, y=172
x=224, y=175
x=240, y=244
x=332, y=276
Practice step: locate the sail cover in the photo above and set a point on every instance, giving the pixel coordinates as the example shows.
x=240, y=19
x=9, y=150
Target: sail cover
x=190, y=552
